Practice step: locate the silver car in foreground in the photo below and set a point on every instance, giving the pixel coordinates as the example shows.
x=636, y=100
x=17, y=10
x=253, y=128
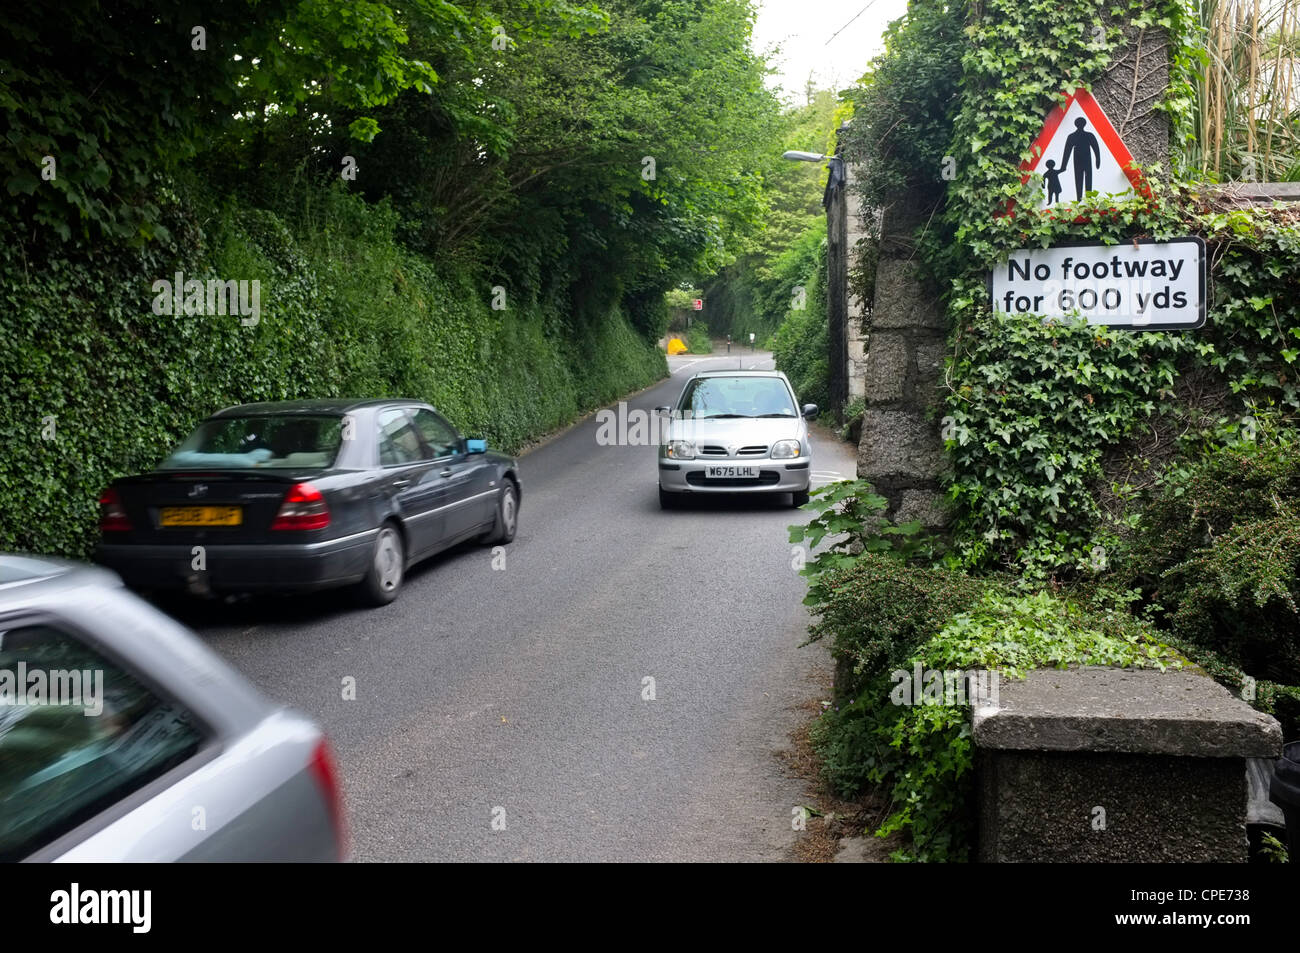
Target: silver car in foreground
x=735, y=432
x=124, y=738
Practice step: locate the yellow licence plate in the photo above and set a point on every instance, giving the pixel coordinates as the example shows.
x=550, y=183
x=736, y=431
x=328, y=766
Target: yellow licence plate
x=202, y=516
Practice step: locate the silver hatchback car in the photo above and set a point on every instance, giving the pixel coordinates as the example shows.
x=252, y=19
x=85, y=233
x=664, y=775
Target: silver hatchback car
x=124, y=738
x=735, y=432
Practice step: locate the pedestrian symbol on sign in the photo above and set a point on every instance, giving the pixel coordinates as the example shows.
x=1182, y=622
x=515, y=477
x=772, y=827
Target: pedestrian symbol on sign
x=1079, y=144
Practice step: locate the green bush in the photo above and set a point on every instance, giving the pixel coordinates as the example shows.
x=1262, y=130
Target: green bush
x=697, y=338
x=95, y=385
x=1217, y=556
x=801, y=347
x=1219, y=551
x=880, y=609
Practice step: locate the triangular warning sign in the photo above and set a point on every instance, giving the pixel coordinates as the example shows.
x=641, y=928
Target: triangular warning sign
x=1078, y=152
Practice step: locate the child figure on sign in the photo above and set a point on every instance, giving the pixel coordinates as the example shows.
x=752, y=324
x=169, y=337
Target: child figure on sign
x=1053, y=179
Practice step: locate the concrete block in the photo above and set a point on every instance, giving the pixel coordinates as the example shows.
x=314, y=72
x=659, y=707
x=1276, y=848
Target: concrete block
x=1137, y=711
x=1100, y=764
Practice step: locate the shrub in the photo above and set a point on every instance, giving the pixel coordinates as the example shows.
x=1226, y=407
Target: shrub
x=801, y=348
x=1217, y=552
x=879, y=610
x=697, y=338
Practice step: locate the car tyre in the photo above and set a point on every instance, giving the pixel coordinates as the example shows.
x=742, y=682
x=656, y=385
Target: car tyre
x=387, y=569
x=799, y=498
x=668, y=501
x=507, y=518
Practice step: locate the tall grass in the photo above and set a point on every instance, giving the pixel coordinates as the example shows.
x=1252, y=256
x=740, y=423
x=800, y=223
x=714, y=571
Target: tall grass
x=1248, y=92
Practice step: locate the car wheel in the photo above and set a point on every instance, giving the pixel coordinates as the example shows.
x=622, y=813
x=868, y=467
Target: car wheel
x=387, y=568
x=507, y=520
x=667, y=501
x=799, y=499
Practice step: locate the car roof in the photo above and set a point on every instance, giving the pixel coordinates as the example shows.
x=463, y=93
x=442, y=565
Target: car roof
x=740, y=373
x=151, y=643
x=326, y=405
x=31, y=571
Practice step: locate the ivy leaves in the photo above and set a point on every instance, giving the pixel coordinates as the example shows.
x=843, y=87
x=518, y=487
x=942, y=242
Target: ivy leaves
x=1041, y=403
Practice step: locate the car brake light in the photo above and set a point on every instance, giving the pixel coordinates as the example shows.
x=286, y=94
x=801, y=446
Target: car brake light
x=303, y=508
x=112, y=514
x=326, y=772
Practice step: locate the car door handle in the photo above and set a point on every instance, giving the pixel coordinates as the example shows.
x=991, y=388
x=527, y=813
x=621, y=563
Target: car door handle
x=399, y=484
x=445, y=473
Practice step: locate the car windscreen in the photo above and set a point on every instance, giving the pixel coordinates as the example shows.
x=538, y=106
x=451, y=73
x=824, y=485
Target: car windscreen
x=294, y=441
x=713, y=397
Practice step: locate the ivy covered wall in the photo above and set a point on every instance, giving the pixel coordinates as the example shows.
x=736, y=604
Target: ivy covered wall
x=1049, y=429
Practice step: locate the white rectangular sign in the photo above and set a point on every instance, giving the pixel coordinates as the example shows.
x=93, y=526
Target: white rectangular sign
x=1147, y=285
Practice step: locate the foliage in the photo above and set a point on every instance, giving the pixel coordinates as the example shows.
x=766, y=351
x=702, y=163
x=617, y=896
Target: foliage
x=1035, y=409
x=697, y=338
x=1028, y=443
x=1245, y=96
x=878, y=609
x=1041, y=419
x=113, y=132
x=902, y=107
x=1273, y=850
x=757, y=290
x=801, y=345
x=1219, y=551
x=850, y=518
x=626, y=160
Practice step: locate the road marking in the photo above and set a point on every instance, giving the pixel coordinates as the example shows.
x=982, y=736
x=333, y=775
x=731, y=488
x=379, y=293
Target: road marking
x=826, y=477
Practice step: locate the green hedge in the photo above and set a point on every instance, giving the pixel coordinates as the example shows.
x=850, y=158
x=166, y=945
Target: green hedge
x=801, y=345
x=345, y=311
x=697, y=338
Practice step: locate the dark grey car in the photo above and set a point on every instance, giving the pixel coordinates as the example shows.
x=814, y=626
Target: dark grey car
x=124, y=738
x=307, y=494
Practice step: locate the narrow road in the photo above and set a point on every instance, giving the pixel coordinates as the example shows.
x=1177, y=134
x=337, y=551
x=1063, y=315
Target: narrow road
x=516, y=693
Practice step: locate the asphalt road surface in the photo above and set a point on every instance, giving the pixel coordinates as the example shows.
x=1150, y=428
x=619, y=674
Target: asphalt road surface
x=499, y=712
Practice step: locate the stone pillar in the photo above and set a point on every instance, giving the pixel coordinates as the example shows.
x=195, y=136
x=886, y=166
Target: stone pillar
x=837, y=282
x=900, y=451
x=855, y=315
x=1104, y=764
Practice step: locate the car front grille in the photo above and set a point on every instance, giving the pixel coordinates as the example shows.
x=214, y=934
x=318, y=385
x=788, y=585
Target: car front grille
x=765, y=478
x=713, y=450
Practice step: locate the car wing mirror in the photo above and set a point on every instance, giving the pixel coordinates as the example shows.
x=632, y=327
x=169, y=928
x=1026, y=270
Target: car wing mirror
x=476, y=446
x=664, y=411
x=810, y=411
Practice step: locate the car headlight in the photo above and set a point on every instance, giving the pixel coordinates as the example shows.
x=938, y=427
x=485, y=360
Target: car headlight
x=785, y=449
x=681, y=450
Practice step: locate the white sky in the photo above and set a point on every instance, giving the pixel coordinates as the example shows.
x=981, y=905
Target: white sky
x=802, y=28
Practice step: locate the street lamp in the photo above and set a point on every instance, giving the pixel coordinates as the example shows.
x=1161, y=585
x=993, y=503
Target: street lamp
x=794, y=155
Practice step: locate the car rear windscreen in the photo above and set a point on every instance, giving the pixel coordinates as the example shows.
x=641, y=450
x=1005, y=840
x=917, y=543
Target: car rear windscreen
x=290, y=441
